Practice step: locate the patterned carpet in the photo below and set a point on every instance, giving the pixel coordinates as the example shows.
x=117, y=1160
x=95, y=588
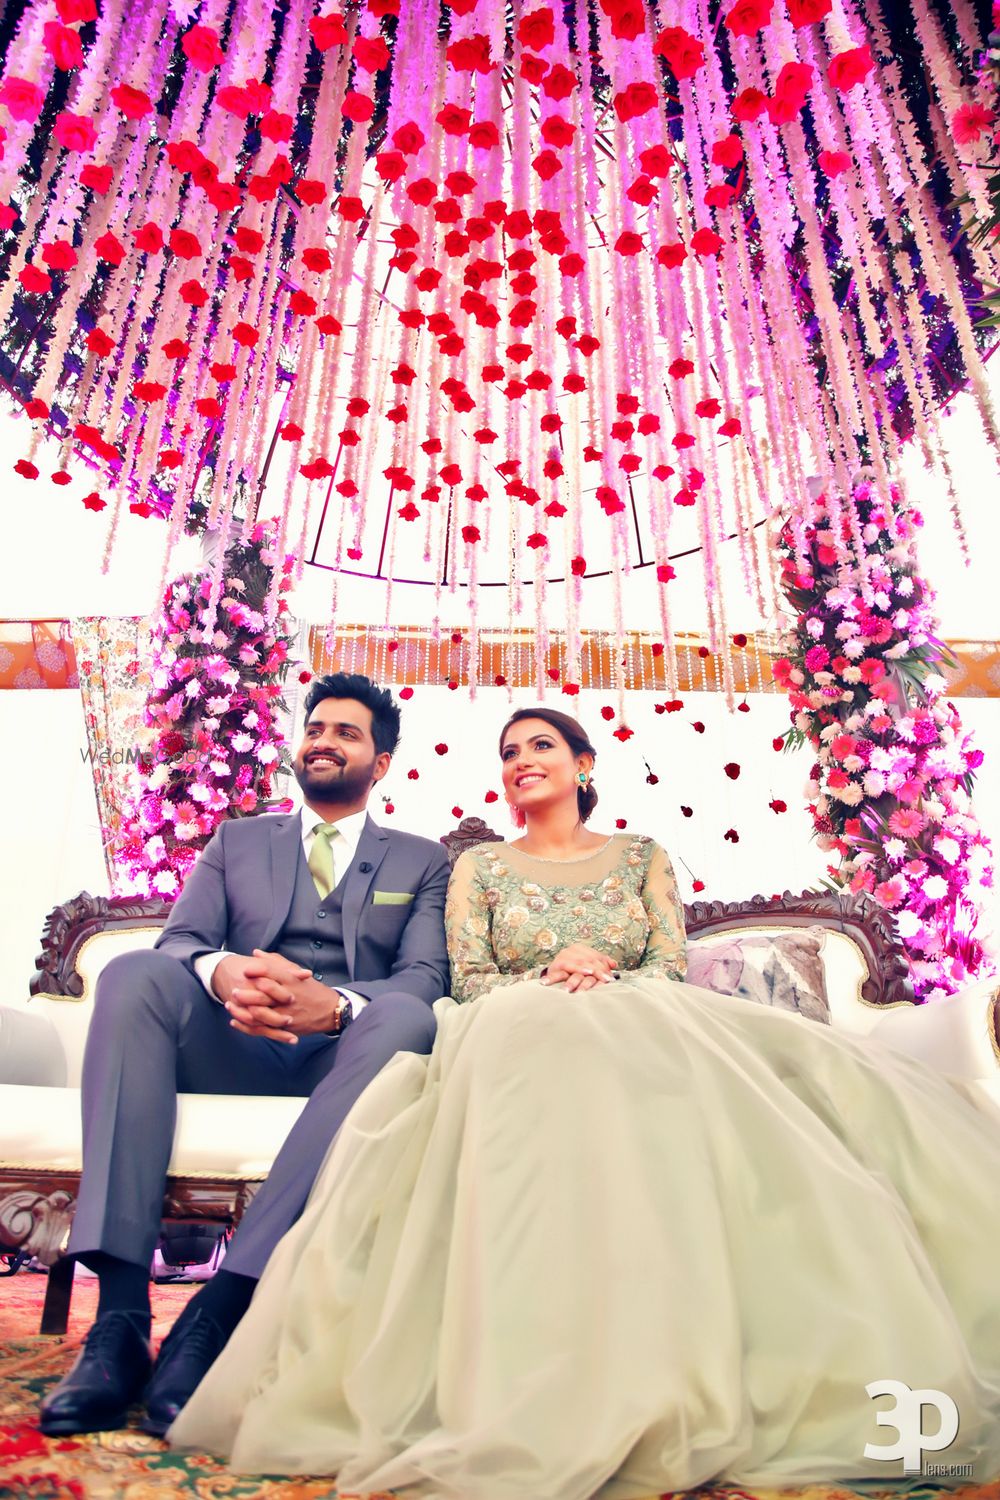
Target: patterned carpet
x=127, y=1465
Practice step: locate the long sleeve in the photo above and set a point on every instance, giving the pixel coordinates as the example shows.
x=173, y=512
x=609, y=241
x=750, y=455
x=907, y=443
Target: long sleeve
x=666, y=945
x=469, y=930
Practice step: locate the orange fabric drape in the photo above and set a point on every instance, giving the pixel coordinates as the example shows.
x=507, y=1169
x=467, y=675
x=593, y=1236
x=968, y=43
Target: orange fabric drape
x=37, y=654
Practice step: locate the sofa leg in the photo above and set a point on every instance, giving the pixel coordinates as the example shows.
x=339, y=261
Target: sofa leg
x=58, y=1292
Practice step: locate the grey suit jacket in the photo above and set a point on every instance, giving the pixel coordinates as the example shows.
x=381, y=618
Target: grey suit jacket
x=238, y=895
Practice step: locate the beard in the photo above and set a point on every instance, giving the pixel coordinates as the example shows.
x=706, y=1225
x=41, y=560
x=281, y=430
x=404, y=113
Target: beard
x=333, y=783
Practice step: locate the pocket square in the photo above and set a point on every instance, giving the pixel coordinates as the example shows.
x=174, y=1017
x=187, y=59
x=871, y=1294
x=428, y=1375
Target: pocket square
x=391, y=898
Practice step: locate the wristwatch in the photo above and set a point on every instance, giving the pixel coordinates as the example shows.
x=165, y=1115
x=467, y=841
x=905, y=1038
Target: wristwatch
x=344, y=1015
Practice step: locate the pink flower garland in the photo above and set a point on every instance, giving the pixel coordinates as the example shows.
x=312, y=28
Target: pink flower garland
x=212, y=745
x=890, y=790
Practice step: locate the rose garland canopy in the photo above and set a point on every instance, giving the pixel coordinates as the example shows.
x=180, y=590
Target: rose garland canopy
x=524, y=281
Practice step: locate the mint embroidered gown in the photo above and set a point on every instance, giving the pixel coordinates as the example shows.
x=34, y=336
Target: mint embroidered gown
x=621, y=1242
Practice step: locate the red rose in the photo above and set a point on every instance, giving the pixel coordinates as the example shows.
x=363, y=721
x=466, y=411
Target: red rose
x=834, y=163
x=409, y=138
x=483, y=136
x=628, y=18
x=63, y=45
x=34, y=279
x=258, y=96
x=185, y=244
x=277, y=126
x=302, y=304
x=706, y=242
x=93, y=501
x=22, y=98
x=471, y=54
x=749, y=104
x=245, y=335
x=357, y=107
x=99, y=343
x=201, y=47
x=209, y=407
x=557, y=132
x=728, y=152
x=806, y=12
x=149, y=391
x=390, y=165
x=133, y=103
x=684, y=53
x=59, y=255
x=792, y=85
x=637, y=99
x=850, y=68
x=371, y=53
x=26, y=469
x=546, y=164
x=235, y=101
x=536, y=30
x=193, y=293
x=748, y=16
x=149, y=238
x=97, y=178
x=559, y=82
x=74, y=11
x=533, y=68
x=75, y=132
x=310, y=191
x=628, y=243
x=328, y=31
x=224, y=196
x=223, y=373
x=319, y=468
x=328, y=324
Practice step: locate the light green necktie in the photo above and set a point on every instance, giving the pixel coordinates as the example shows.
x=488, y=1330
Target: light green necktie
x=321, y=857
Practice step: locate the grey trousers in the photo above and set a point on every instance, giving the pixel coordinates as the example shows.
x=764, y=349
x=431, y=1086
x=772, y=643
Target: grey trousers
x=156, y=1033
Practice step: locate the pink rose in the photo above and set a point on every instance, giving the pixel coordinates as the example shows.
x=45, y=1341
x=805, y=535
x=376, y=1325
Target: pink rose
x=22, y=98
x=75, y=132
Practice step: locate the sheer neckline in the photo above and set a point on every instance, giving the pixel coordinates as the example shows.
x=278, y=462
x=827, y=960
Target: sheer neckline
x=542, y=859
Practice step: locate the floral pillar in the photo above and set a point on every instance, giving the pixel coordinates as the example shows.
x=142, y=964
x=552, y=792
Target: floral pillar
x=211, y=743
x=890, y=788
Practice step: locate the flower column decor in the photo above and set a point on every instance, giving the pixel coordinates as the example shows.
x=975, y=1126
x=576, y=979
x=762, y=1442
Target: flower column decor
x=890, y=790
x=211, y=740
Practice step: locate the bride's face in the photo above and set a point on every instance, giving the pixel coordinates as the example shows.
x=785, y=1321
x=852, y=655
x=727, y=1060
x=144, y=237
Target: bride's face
x=538, y=765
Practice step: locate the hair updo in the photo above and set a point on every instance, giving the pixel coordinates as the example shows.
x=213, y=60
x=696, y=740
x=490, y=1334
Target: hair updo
x=576, y=738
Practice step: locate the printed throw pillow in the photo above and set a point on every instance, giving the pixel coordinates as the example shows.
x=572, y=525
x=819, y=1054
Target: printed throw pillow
x=783, y=970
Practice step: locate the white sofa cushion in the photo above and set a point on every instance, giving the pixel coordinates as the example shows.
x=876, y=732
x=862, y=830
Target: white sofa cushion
x=218, y=1135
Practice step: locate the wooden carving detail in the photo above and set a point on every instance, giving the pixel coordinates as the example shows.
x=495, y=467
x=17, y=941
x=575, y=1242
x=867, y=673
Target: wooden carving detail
x=68, y=926
x=469, y=833
x=36, y=1222
x=855, y=915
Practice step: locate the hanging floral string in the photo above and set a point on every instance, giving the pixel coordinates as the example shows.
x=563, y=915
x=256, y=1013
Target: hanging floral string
x=890, y=790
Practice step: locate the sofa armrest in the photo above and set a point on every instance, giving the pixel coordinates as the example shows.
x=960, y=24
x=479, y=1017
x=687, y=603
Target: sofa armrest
x=31, y=1049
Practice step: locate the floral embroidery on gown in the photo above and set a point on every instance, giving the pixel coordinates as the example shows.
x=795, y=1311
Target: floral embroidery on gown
x=621, y=1242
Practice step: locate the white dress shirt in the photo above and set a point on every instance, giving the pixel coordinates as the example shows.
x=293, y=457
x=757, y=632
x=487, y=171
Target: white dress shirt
x=343, y=848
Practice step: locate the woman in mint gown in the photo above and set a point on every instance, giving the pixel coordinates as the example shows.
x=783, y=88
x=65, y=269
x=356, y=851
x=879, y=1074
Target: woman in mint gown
x=617, y=1235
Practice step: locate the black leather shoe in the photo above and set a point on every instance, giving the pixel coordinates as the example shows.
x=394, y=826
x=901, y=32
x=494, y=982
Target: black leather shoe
x=187, y=1353
x=109, y=1375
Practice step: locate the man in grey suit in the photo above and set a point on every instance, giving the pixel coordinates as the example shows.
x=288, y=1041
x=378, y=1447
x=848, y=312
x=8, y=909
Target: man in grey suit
x=302, y=954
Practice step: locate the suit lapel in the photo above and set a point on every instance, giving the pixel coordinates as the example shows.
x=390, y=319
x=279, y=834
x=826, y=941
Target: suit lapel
x=357, y=883
x=286, y=843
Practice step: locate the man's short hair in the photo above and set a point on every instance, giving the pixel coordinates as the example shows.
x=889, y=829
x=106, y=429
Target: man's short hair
x=384, y=709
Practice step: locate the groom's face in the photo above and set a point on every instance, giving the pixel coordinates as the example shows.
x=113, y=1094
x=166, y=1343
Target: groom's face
x=337, y=762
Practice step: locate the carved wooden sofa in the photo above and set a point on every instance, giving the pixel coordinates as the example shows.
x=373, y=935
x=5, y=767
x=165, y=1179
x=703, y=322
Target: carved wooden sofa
x=224, y=1145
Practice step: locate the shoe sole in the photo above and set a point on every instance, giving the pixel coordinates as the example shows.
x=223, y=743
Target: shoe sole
x=66, y=1427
